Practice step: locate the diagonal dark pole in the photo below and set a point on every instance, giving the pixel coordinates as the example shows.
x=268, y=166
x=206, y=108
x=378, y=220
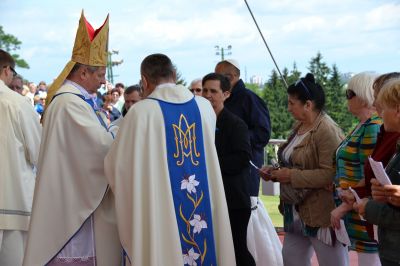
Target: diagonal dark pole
x=265, y=42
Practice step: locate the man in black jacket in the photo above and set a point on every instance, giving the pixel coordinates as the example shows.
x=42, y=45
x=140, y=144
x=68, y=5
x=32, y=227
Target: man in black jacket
x=253, y=111
x=234, y=152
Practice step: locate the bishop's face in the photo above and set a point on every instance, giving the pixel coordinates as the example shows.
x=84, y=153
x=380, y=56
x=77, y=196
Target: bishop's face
x=94, y=80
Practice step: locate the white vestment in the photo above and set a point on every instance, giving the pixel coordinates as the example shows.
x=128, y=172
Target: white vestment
x=137, y=169
x=19, y=149
x=71, y=185
x=115, y=125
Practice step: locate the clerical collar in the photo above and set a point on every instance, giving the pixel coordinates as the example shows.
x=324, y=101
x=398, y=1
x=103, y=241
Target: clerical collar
x=79, y=87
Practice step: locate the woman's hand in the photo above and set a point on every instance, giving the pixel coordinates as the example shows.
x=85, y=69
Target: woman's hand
x=347, y=196
x=360, y=207
x=392, y=193
x=338, y=213
x=378, y=191
x=265, y=172
x=281, y=175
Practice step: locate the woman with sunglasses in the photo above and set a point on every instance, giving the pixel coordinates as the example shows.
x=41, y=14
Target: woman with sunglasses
x=307, y=170
x=350, y=160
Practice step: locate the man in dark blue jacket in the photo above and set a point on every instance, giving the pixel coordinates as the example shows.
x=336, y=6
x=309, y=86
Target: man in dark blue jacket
x=253, y=111
x=233, y=148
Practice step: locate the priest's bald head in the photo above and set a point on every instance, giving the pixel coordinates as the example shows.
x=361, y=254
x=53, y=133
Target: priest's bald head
x=229, y=68
x=156, y=69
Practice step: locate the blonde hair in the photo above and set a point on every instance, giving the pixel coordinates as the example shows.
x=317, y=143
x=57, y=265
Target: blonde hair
x=362, y=85
x=25, y=90
x=36, y=98
x=389, y=96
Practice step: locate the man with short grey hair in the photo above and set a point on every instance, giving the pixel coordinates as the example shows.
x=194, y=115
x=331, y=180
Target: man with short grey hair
x=196, y=87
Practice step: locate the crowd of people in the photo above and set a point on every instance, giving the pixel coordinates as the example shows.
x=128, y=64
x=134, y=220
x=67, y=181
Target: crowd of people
x=160, y=174
x=332, y=205
x=109, y=99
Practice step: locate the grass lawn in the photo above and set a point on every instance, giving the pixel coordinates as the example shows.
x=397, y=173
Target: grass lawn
x=271, y=205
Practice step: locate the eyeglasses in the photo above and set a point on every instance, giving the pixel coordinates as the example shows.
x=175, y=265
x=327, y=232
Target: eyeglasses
x=305, y=87
x=195, y=90
x=13, y=70
x=350, y=94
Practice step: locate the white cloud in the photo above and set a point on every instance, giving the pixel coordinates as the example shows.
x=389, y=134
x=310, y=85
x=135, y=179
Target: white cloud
x=345, y=21
x=343, y=30
x=153, y=29
x=385, y=16
x=29, y=53
x=306, y=24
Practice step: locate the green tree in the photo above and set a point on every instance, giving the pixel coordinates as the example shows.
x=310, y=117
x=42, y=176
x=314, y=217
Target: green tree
x=329, y=79
x=319, y=69
x=253, y=87
x=274, y=94
x=179, y=79
x=336, y=103
x=294, y=75
x=10, y=43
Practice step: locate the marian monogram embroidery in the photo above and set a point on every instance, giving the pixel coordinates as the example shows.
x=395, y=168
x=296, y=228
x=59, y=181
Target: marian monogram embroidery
x=189, y=182
x=185, y=141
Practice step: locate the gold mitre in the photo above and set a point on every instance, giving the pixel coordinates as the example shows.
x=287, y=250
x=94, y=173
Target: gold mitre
x=90, y=48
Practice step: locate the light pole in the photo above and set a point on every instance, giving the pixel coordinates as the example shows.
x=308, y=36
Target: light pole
x=223, y=51
x=110, y=64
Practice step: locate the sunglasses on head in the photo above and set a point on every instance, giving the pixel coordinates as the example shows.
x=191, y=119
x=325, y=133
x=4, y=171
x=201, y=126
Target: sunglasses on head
x=350, y=94
x=195, y=90
x=304, y=86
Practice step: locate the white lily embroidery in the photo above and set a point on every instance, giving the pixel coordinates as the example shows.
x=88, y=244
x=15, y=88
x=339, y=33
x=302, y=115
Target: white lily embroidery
x=190, y=184
x=190, y=258
x=198, y=224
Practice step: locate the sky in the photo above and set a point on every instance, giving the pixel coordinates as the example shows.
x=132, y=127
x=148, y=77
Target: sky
x=356, y=35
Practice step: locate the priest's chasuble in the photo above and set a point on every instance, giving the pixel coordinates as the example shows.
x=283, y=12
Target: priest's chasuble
x=19, y=150
x=71, y=193
x=164, y=171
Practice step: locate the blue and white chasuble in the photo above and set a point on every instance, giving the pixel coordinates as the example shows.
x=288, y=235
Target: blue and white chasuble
x=189, y=181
